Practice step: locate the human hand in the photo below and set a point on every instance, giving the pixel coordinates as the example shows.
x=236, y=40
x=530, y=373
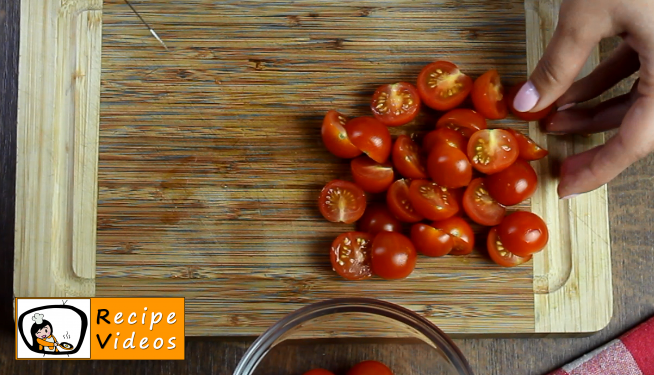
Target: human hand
x=582, y=25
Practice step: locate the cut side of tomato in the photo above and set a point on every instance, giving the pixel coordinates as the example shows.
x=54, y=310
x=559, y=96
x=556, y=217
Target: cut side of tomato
x=442, y=86
x=406, y=158
x=431, y=200
x=514, y=184
x=523, y=233
x=335, y=138
x=371, y=137
x=393, y=255
x=500, y=255
x=351, y=255
x=527, y=116
x=464, y=121
x=430, y=241
x=342, y=201
x=399, y=203
x=449, y=166
x=492, y=150
x=396, y=104
x=378, y=218
x=488, y=96
x=446, y=136
x=480, y=206
x=371, y=176
x=462, y=235
x=528, y=149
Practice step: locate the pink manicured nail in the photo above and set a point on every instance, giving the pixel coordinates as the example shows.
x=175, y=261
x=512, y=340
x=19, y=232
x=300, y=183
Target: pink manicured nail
x=567, y=106
x=527, y=98
x=570, y=196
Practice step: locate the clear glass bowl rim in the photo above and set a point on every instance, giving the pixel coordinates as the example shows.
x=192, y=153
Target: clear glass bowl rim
x=262, y=345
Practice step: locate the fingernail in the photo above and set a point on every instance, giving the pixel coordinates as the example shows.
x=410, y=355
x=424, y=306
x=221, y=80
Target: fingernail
x=527, y=98
x=567, y=106
x=569, y=196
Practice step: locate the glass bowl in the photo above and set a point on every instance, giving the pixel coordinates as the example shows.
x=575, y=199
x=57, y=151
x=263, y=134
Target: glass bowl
x=331, y=335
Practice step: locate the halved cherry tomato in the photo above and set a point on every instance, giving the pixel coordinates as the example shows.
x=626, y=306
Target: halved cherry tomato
x=350, y=255
x=318, y=371
x=396, y=104
x=399, y=203
x=393, y=255
x=492, y=150
x=514, y=184
x=371, y=137
x=458, y=198
x=442, y=86
x=480, y=206
x=406, y=158
x=528, y=149
x=371, y=176
x=378, y=218
x=447, y=136
x=461, y=233
x=449, y=166
x=523, y=233
x=342, y=201
x=465, y=121
x=488, y=96
x=431, y=241
x=370, y=368
x=431, y=200
x=500, y=255
x=335, y=137
x=527, y=116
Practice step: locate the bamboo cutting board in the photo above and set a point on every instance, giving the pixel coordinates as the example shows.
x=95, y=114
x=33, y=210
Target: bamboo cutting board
x=210, y=159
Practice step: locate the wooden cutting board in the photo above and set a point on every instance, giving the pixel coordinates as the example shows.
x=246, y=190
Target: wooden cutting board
x=210, y=159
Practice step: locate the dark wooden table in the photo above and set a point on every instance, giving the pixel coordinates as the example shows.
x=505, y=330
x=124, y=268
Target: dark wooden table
x=631, y=200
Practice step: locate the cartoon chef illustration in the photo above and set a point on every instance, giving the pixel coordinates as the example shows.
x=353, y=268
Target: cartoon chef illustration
x=42, y=337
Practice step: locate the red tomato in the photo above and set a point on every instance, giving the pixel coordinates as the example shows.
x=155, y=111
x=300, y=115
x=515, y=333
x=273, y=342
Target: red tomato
x=528, y=149
x=371, y=137
x=342, y=201
x=447, y=136
x=335, y=137
x=461, y=233
x=488, y=96
x=523, y=233
x=378, y=218
x=393, y=255
x=458, y=197
x=399, y=203
x=432, y=201
x=396, y=104
x=465, y=121
x=371, y=176
x=480, y=206
x=406, y=158
x=492, y=150
x=500, y=255
x=442, y=86
x=449, y=167
x=514, y=184
x=431, y=241
x=350, y=255
x=370, y=368
x=527, y=116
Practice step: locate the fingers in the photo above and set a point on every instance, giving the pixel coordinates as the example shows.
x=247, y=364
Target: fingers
x=591, y=169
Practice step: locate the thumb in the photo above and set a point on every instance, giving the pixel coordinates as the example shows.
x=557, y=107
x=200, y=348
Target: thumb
x=579, y=30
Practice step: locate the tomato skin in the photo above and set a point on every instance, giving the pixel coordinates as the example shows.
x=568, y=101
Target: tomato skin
x=431, y=241
x=371, y=176
x=447, y=136
x=492, y=150
x=342, y=201
x=527, y=148
x=335, y=138
x=378, y=218
x=406, y=158
x=432, y=201
x=371, y=137
x=488, y=96
x=500, y=255
x=462, y=235
x=350, y=255
x=393, y=256
x=399, y=203
x=396, y=104
x=449, y=167
x=433, y=86
x=527, y=116
x=318, y=371
x=514, y=184
x=462, y=120
x=480, y=206
x=523, y=233
x=370, y=368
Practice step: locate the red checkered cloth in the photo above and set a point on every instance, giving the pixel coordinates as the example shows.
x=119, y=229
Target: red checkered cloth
x=631, y=354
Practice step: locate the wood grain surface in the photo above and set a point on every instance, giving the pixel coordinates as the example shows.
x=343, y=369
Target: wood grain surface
x=631, y=213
